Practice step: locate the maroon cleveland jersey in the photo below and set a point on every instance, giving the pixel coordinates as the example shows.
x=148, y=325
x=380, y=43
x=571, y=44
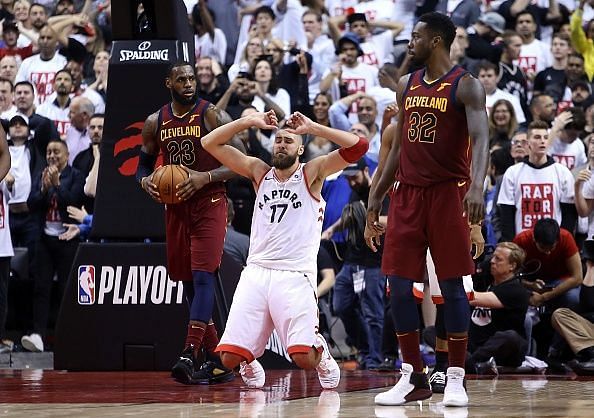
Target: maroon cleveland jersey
x=435, y=145
x=180, y=141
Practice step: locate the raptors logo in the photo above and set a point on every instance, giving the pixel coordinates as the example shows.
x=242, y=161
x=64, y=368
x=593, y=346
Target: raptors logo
x=126, y=150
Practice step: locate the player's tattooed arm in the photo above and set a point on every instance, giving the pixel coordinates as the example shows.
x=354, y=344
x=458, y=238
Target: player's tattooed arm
x=148, y=156
x=472, y=94
x=214, y=118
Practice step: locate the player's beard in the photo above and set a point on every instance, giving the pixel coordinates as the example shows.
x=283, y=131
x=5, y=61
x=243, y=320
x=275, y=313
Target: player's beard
x=283, y=161
x=181, y=99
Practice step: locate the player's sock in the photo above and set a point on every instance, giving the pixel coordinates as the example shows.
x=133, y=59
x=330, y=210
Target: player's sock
x=457, y=350
x=409, y=345
x=211, y=339
x=195, y=335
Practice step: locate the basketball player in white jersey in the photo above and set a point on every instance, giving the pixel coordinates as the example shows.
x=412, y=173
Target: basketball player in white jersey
x=277, y=289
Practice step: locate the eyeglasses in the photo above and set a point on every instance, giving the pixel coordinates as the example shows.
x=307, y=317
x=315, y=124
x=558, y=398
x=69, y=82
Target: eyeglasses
x=273, y=50
x=519, y=141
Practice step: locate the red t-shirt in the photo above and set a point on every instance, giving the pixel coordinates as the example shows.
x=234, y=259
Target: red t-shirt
x=553, y=265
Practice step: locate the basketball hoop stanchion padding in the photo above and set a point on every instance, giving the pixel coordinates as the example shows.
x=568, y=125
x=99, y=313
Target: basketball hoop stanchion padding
x=117, y=325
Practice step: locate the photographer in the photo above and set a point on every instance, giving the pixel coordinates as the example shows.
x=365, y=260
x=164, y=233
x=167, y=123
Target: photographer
x=268, y=95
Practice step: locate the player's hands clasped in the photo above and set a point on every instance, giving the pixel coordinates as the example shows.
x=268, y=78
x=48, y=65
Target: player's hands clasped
x=373, y=228
x=196, y=180
x=299, y=124
x=264, y=120
x=151, y=188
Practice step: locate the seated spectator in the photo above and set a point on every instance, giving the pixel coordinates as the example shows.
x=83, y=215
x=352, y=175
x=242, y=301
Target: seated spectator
x=502, y=123
x=560, y=273
x=268, y=95
x=238, y=96
x=237, y=245
x=316, y=145
x=212, y=82
x=80, y=230
x=252, y=50
x=366, y=113
x=536, y=188
x=519, y=146
x=497, y=319
x=56, y=188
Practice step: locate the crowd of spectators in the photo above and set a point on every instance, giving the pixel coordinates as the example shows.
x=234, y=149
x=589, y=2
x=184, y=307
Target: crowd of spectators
x=338, y=61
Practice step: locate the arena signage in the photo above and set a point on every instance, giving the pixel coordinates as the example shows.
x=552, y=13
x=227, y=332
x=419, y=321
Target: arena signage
x=143, y=51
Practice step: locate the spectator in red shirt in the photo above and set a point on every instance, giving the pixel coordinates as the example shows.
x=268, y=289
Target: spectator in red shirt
x=560, y=273
x=10, y=35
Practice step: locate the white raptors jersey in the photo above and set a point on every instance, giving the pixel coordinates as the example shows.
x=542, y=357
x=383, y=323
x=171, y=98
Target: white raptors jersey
x=286, y=225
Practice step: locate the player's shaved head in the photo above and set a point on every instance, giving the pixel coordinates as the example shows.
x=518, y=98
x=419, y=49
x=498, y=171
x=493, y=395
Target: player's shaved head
x=282, y=133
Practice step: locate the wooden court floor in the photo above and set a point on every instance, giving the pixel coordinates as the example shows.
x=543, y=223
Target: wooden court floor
x=290, y=393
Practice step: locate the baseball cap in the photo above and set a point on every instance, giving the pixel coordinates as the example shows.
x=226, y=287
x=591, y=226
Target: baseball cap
x=349, y=37
x=583, y=84
x=494, y=21
x=354, y=168
x=19, y=118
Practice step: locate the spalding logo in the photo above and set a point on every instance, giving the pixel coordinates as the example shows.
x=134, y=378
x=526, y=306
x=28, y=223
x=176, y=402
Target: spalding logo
x=127, y=149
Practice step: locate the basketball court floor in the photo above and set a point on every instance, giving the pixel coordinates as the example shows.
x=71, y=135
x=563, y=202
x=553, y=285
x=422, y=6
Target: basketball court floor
x=290, y=393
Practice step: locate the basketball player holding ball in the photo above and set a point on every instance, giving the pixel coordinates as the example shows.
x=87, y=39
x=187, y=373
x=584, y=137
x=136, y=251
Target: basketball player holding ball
x=195, y=227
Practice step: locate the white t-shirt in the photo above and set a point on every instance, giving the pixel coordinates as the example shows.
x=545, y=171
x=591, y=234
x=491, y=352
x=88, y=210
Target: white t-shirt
x=338, y=7
x=588, y=193
x=376, y=9
x=534, y=57
x=207, y=47
x=281, y=98
x=570, y=155
x=41, y=74
x=322, y=52
x=378, y=49
x=536, y=193
x=61, y=117
x=19, y=169
x=500, y=94
x=359, y=78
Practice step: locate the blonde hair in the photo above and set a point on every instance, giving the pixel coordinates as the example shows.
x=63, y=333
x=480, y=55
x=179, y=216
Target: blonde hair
x=516, y=254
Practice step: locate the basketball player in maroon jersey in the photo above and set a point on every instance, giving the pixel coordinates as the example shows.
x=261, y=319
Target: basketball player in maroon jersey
x=195, y=228
x=437, y=195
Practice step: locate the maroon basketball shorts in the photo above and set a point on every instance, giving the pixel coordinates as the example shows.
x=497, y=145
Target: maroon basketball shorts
x=428, y=217
x=195, y=232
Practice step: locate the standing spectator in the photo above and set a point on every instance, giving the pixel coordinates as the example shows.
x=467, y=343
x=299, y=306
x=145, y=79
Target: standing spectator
x=487, y=75
x=581, y=41
x=7, y=107
x=552, y=80
x=317, y=145
x=44, y=129
x=349, y=75
x=10, y=35
x=581, y=92
x=6, y=251
x=77, y=134
x=238, y=96
x=535, y=55
x=519, y=146
x=100, y=68
x=26, y=164
x=511, y=78
x=320, y=46
x=481, y=37
x=250, y=52
x=56, y=188
x=85, y=160
x=58, y=110
x=565, y=145
x=8, y=68
x=40, y=69
x=38, y=16
x=536, y=188
x=21, y=16
x=209, y=40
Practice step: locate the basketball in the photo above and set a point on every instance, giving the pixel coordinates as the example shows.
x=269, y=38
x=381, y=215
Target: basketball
x=166, y=178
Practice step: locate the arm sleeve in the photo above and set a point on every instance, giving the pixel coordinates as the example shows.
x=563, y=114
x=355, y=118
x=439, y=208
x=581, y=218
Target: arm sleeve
x=507, y=215
x=568, y=216
x=338, y=117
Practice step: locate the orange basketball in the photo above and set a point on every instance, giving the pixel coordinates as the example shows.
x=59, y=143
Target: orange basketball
x=166, y=178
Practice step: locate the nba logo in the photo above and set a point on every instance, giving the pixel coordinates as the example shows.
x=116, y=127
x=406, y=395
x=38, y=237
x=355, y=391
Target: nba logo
x=86, y=285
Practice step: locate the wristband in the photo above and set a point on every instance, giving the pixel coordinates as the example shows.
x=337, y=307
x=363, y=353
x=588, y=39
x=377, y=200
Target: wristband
x=354, y=153
x=209, y=177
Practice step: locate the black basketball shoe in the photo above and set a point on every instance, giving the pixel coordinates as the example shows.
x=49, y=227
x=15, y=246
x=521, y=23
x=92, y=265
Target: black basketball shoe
x=186, y=366
x=437, y=381
x=212, y=372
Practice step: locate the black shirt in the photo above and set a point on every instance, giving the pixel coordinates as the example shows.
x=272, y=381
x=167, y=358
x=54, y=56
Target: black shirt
x=485, y=322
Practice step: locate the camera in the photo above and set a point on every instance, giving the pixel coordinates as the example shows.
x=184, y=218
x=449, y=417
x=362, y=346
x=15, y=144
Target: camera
x=294, y=51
